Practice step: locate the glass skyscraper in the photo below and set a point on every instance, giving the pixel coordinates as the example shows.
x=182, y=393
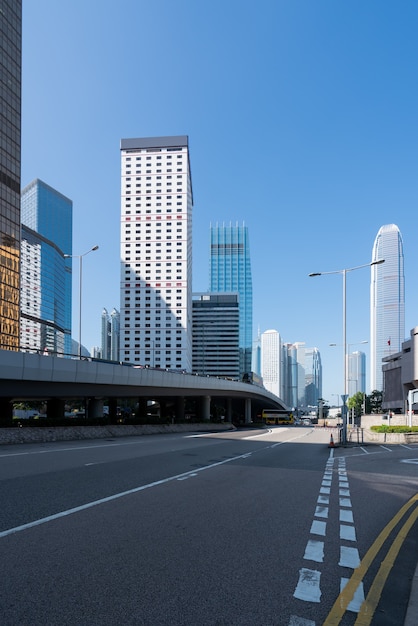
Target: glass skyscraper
x=46, y=282
x=10, y=125
x=313, y=376
x=387, y=301
x=230, y=270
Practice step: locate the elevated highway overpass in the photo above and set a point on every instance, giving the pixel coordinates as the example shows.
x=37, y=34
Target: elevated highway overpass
x=25, y=376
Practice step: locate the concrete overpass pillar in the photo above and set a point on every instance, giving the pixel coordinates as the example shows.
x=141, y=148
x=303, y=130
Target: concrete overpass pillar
x=180, y=409
x=205, y=408
x=247, y=410
x=163, y=410
x=6, y=411
x=95, y=407
x=142, y=409
x=113, y=409
x=55, y=408
x=228, y=407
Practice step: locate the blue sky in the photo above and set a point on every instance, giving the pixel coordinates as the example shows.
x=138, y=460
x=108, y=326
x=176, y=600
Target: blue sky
x=302, y=124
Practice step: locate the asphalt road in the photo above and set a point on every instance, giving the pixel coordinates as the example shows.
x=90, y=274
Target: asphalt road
x=252, y=528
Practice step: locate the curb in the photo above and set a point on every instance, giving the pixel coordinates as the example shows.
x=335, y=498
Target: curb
x=412, y=610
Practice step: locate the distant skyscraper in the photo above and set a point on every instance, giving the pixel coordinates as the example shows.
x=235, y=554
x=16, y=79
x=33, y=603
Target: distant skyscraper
x=105, y=335
x=256, y=356
x=156, y=252
x=270, y=361
x=114, y=335
x=387, y=301
x=46, y=290
x=294, y=374
x=313, y=376
x=356, y=370
x=110, y=335
x=10, y=125
x=216, y=334
x=230, y=270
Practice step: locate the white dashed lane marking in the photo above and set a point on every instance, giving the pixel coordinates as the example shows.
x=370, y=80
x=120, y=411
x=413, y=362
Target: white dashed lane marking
x=308, y=587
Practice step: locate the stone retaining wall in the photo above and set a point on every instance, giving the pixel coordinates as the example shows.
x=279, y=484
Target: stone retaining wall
x=43, y=434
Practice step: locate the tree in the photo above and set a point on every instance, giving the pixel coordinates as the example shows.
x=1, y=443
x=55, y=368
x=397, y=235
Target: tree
x=356, y=403
x=375, y=400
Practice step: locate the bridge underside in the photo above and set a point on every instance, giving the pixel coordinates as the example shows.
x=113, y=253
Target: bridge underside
x=58, y=384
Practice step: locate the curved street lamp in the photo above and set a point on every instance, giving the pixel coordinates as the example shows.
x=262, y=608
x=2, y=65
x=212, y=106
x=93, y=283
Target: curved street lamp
x=80, y=257
x=344, y=274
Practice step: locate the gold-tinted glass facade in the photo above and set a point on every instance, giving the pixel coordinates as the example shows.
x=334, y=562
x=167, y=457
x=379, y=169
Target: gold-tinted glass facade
x=10, y=129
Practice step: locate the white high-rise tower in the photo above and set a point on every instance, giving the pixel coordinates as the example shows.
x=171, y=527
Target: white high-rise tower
x=156, y=253
x=270, y=360
x=387, y=301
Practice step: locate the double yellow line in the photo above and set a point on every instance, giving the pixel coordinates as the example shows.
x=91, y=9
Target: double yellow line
x=369, y=605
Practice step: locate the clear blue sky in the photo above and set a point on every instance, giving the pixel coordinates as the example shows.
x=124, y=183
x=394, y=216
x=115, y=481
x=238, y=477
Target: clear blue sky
x=302, y=122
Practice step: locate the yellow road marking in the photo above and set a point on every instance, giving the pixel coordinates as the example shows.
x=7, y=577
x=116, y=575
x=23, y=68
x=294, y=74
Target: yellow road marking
x=369, y=605
x=344, y=598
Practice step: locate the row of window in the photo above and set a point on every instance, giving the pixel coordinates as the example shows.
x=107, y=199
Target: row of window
x=168, y=157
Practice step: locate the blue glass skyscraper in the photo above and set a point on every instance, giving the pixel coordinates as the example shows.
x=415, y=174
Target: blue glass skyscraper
x=46, y=285
x=387, y=301
x=230, y=271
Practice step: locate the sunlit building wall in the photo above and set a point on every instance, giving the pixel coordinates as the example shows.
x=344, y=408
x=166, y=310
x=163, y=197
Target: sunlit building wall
x=156, y=252
x=387, y=301
x=10, y=134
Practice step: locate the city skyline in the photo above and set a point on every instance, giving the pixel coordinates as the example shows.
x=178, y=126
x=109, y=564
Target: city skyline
x=308, y=137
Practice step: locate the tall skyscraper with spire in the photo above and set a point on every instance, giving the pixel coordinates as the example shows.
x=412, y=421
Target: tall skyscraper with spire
x=230, y=270
x=387, y=301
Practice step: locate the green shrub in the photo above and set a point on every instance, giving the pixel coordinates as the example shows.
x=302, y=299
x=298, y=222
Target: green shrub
x=394, y=429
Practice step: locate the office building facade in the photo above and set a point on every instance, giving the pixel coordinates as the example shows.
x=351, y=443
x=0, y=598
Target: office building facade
x=230, y=271
x=156, y=252
x=387, y=301
x=216, y=335
x=10, y=156
x=46, y=289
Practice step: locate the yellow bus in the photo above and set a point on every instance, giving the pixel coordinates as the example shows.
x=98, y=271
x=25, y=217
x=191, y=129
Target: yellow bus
x=277, y=417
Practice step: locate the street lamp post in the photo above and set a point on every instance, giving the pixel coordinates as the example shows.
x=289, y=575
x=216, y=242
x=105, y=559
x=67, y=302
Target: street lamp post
x=80, y=293
x=344, y=274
